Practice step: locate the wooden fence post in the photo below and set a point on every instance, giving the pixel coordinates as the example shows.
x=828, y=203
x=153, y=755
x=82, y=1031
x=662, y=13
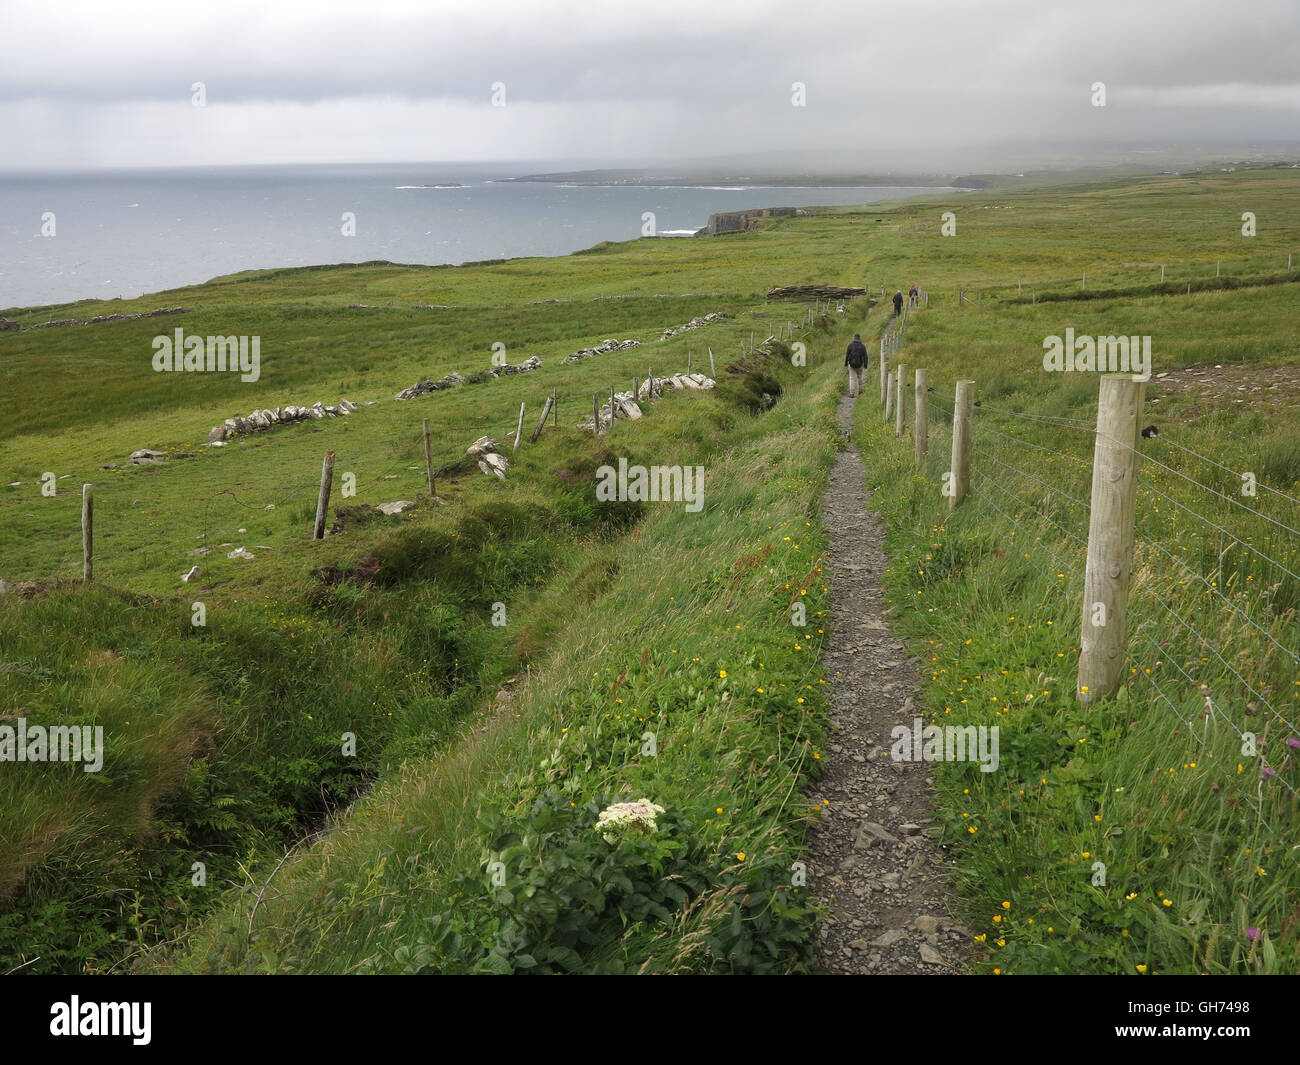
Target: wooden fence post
x=900, y=417
x=323, y=500
x=1162, y=274
x=555, y=409
x=1110, y=536
x=595, y=412
x=712, y=372
x=884, y=367
x=688, y=354
x=428, y=458
x=546, y=410
x=962, y=408
x=889, y=396
x=87, y=532
x=921, y=428
x=519, y=429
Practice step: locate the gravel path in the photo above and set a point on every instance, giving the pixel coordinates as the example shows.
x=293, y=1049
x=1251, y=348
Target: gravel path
x=871, y=861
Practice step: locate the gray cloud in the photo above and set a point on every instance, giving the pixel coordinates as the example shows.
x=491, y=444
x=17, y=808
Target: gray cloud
x=100, y=84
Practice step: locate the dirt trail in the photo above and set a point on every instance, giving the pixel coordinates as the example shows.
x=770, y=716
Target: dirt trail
x=871, y=863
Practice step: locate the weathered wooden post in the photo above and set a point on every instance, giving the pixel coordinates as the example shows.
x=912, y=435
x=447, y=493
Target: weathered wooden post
x=541, y=422
x=555, y=409
x=428, y=458
x=1162, y=274
x=884, y=376
x=1110, y=536
x=889, y=397
x=959, y=476
x=688, y=354
x=636, y=390
x=87, y=532
x=519, y=429
x=921, y=427
x=323, y=500
x=595, y=412
x=712, y=371
x=900, y=416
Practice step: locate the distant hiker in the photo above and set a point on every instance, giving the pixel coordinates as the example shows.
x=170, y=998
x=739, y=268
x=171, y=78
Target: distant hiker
x=855, y=358
x=898, y=304
x=913, y=296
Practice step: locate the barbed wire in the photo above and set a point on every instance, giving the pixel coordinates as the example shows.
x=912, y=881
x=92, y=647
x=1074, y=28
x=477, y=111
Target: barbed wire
x=1227, y=469
x=1040, y=447
x=1023, y=473
x=1065, y=422
x=1144, y=484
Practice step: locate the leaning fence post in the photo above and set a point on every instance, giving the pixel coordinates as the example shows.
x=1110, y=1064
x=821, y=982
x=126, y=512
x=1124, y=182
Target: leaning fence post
x=921, y=427
x=1110, y=536
x=519, y=429
x=323, y=500
x=87, y=532
x=962, y=408
x=900, y=418
x=541, y=422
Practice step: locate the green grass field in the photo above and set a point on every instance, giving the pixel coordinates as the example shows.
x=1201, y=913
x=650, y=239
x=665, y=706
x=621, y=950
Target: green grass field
x=479, y=743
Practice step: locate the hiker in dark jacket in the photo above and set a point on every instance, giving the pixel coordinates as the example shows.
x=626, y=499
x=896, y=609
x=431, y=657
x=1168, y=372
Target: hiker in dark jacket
x=855, y=358
x=898, y=304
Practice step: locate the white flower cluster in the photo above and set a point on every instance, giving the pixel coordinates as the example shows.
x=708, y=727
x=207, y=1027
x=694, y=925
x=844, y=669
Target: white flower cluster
x=627, y=819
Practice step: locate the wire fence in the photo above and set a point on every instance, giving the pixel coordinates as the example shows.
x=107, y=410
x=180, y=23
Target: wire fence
x=1212, y=628
x=1169, y=278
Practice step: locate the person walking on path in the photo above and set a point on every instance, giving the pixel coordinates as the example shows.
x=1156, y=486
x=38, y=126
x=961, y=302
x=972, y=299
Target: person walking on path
x=855, y=358
x=913, y=296
x=898, y=304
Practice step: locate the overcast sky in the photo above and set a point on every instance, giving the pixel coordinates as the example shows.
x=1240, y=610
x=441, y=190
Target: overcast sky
x=109, y=84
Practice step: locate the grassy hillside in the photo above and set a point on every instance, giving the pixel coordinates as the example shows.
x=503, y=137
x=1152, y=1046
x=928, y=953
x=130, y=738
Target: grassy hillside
x=479, y=743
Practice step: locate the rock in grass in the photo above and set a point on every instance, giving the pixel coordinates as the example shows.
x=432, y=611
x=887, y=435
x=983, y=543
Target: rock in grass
x=397, y=506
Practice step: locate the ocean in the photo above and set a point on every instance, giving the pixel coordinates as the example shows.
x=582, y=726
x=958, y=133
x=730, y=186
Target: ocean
x=127, y=233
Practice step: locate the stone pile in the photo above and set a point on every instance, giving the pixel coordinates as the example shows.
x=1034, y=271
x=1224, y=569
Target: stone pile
x=266, y=418
x=694, y=323
x=627, y=406
x=112, y=317
x=602, y=348
x=423, y=388
x=489, y=460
